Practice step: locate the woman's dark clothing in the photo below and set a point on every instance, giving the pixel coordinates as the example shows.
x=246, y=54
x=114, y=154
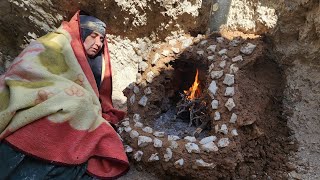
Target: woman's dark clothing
x=15, y=166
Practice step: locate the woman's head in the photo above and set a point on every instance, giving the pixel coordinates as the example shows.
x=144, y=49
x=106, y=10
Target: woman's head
x=93, y=32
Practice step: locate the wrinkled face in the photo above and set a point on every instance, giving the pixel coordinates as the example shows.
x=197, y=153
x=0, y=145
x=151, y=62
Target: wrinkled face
x=93, y=44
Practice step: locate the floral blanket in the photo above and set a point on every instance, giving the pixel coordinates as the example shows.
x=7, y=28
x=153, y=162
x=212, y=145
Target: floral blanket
x=51, y=108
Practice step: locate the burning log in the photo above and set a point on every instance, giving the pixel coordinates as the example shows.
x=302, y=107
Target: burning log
x=192, y=106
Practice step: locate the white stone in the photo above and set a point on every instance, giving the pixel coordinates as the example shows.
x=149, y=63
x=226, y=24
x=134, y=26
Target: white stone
x=127, y=129
x=223, y=142
x=179, y=163
x=136, y=89
x=201, y=52
x=234, y=42
x=215, y=104
x=209, y=147
x=216, y=74
x=233, y=69
x=173, y=144
x=143, y=101
x=192, y=147
x=158, y=134
x=120, y=130
x=237, y=58
x=190, y=138
x=186, y=43
x=150, y=76
x=217, y=116
x=229, y=91
x=168, y=155
x=134, y=134
x=131, y=85
x=203, y=42
x=175, y=50
x=154, y=157
x=138, y=125
x=223, y=52
x=147, y=91
x=230, y=104
x=212, y=48
x=126, y=119
x=147, y=130
x=165, y=53
x=234, y=132
x=157, y=143
x=173, y=137
x=173, y=42
x=211, y=58
x=133, y=99
x=233, y=118
x=136, y=118
x=213, y=88
x=224, y=129
x=125, y=123
x=222, y=64
x=201, y=163
x=224, y=57
x=155, y=58
x=211, y=67
x=144, y=141
x=228, y=79
x=208, y=139
x=248, y=49
x=138, y=155
x=220, y=39
x=128, y=149
x=143, y=66
x=138, y=78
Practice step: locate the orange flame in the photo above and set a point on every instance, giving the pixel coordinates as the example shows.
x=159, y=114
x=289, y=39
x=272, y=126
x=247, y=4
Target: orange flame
x=194, y=91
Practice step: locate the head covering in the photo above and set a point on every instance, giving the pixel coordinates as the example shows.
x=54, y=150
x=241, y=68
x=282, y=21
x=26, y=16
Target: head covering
x=89, y=24
x=93, y=24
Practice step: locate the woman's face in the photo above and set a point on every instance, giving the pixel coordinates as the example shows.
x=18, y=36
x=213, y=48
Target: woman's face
x=93, y=44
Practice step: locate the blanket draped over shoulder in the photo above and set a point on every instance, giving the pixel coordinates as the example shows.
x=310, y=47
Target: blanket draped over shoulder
x=51, y=108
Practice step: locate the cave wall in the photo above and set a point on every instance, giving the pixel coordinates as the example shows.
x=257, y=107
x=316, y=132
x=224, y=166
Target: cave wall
x=296, y=47
x=292, y=29
x=135, y=27
x=293, y=32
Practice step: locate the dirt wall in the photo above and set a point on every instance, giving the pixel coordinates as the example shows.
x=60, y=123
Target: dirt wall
x=292, y=28
x=296, y=47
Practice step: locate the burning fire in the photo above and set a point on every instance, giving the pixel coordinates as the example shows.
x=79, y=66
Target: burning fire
x=194, y=91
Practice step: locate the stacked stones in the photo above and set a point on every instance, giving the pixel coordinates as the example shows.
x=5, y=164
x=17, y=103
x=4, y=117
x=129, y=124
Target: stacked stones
x=221, y=71
x=148, y=70
x=145, y=136
x=222, y=68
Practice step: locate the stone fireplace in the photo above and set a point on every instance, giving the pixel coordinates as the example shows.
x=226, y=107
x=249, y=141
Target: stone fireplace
x=205, y=133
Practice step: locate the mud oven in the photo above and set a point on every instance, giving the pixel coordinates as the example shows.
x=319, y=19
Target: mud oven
x=183, y=110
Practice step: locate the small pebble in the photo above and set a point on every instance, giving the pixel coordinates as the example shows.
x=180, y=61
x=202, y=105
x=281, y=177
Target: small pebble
x=179, y=163
x=138, y=155
x=134, y=134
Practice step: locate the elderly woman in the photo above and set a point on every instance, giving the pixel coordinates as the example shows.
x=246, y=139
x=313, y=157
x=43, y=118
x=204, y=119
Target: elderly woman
x=56, y=111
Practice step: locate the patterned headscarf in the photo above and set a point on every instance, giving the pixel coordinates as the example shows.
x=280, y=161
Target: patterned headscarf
x=88, y=24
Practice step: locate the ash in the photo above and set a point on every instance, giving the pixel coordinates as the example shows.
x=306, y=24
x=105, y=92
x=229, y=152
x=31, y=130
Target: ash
x=167, y=123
